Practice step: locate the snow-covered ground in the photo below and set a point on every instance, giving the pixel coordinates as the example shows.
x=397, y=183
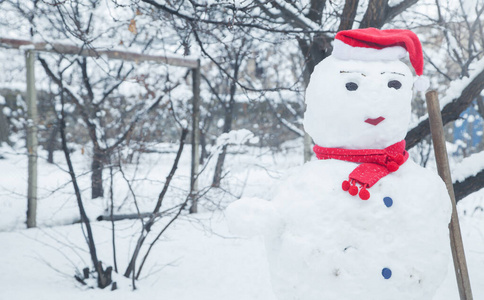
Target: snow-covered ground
x=197, y=258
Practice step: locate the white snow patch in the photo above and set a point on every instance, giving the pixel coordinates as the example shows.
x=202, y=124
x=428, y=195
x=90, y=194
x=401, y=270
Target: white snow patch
x=393, y=3
x=469, y=166
x=457, y=86
x=235, y=137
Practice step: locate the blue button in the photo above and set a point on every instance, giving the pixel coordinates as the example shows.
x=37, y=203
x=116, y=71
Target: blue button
x=386, y=273
x=388, y=201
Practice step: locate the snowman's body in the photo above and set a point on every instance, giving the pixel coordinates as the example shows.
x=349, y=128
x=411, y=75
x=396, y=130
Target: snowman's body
x=333, y=246
x=323, y=243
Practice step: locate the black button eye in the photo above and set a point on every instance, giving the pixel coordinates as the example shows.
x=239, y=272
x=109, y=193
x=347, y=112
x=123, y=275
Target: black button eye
x=394, y=84
x=351, y=86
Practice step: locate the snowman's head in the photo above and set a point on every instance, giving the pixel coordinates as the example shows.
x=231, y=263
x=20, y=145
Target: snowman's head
x=358, y=104
x=362, y=100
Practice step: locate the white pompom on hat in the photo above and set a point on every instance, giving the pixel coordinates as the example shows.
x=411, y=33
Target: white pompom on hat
x=375, y=44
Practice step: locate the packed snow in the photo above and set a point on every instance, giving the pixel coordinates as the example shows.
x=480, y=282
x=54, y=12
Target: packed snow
x=469, y=166
x=198, y=257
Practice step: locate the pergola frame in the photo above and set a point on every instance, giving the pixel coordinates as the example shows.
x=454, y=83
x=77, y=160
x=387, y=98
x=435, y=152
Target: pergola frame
x=30, y=48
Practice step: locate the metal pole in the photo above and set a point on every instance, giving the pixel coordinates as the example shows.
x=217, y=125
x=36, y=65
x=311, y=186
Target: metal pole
x=31, y=139
x=195, y=138
x=437, y=130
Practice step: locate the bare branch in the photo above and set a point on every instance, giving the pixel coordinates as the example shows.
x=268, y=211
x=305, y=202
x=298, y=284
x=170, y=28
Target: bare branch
x=147, y=227
x=85, y=117
x=379, y=12
x=172, y=172
x=394, y=11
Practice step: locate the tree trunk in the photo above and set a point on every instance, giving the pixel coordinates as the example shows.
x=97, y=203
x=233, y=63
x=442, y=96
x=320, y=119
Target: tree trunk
x=217, y=177
x=4, y=126
x=203, y=146
x=311, y=61
x=97, y=175
x=229, y=114
x=51, y=143
x=308, y=147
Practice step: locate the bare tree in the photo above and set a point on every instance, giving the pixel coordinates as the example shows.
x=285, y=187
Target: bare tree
x=103, y=276
x=312, y=25
x=93, y=85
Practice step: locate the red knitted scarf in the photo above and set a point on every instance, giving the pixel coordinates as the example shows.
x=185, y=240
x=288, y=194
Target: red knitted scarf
x=375, y=164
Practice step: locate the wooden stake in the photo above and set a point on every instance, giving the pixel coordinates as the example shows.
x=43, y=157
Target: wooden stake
x=195, y=139
x=437, y=130
x=31, y=139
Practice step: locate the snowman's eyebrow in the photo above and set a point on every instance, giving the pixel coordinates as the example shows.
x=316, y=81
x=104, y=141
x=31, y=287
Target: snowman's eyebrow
x=344, y=72
x=393, y=73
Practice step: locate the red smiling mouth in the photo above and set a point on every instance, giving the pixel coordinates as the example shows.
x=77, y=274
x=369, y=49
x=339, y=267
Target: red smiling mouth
x=374, y=121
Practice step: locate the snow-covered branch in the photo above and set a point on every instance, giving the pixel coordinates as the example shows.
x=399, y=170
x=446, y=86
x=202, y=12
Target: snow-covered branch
x=247, y=24
x=468, y=175
x=460, y=96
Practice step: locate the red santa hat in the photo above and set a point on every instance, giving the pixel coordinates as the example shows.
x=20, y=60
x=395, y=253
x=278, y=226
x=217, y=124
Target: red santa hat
x=376, y=44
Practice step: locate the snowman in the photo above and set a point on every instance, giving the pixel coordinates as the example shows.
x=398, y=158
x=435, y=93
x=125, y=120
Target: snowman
x=363, y=221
